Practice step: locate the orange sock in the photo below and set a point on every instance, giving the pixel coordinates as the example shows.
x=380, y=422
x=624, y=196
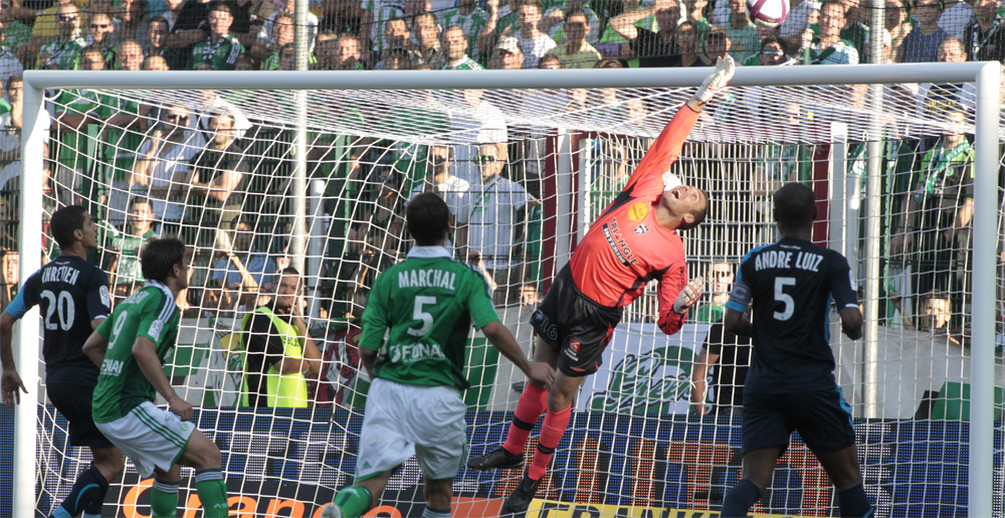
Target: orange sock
x=533, y=402
x=552, y=431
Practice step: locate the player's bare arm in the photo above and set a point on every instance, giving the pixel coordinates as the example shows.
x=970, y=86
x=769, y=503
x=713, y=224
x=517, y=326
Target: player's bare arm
x=539, y=373
x=10, y=382
x=368, y=358
x=95, y=348
x=699, y=380
x=312, y=355
x=145, y=353
x=738, y=323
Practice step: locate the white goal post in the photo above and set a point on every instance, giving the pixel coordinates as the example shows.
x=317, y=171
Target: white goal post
x=987, y=77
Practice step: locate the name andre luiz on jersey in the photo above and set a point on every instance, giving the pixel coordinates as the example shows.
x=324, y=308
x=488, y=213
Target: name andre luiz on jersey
x=431, y=278
x=783, y=259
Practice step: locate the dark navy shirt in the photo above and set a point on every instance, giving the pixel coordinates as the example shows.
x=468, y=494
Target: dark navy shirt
x=70, y=293
x=791, y=284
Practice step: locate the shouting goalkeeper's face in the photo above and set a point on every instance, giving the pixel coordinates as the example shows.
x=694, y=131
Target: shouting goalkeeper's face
x=685, y=205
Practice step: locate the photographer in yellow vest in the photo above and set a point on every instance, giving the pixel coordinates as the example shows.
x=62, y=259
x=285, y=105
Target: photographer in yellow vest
x=278, y=350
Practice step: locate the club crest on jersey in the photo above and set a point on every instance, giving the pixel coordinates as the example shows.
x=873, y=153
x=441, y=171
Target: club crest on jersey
x=641, y=229
x=638, y=212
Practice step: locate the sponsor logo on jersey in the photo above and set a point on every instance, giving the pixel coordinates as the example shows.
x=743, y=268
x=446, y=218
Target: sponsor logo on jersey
x=641, y=229
x=574, y=345
x=617, y=243
x=411, y=353
x=638, y=212
x=111, y=367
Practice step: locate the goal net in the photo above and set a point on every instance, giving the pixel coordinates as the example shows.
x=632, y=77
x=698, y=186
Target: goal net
x=525, y=172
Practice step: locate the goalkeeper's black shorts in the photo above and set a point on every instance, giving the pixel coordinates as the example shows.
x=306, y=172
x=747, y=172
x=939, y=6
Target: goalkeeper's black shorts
x=577, y=328
x=822, y=418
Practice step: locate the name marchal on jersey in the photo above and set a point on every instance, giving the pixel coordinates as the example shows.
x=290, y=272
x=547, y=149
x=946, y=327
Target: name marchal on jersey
x=428, y=302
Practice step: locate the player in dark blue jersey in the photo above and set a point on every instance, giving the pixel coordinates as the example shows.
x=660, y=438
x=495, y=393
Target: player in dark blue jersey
x=73, y=299
x=790, y=384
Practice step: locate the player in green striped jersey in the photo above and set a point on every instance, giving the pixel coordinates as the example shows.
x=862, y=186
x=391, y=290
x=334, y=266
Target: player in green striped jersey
x=129, y=348
x=428, y=303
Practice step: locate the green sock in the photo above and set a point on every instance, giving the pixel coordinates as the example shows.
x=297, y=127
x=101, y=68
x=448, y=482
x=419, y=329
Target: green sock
x=354, y=501
x=213, y=493
x=164, y=499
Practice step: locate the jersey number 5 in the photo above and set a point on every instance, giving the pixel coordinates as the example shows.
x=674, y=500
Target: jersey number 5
x=419, y=313
x=780, y=296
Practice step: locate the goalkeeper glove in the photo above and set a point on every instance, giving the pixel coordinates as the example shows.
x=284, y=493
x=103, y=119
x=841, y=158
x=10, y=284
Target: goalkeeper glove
x=689, y=295
x=717, y=80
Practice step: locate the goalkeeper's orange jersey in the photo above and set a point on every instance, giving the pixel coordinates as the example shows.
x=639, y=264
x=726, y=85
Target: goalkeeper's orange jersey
x=626, y=247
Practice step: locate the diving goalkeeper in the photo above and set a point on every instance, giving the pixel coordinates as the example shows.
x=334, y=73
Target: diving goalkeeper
x=634, y=241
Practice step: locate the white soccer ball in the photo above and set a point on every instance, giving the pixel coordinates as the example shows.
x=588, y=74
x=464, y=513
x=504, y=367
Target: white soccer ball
x=767, y=13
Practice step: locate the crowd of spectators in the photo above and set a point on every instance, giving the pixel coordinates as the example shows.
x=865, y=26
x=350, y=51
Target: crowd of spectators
x=475, y=34
x=192, y=170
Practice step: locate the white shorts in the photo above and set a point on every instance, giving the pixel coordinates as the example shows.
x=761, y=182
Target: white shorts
x=150, y=436
x=401, y=420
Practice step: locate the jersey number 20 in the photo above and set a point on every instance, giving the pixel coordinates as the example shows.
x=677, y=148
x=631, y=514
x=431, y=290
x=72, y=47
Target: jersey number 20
x=63, y=307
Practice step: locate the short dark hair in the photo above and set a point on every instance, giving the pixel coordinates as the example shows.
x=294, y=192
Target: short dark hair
x=64, y=222
x=138, y=200
x=699, y=215
x=427, y=218
x=795, y=205
x=158, y=19
x=221, y=6
x=159, y=257
x=576, y=12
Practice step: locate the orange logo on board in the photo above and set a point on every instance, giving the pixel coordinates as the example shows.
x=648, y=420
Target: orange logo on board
x=638, y=212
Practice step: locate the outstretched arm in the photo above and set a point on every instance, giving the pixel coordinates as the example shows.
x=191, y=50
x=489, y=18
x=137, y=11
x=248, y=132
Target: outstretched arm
x=648, y=176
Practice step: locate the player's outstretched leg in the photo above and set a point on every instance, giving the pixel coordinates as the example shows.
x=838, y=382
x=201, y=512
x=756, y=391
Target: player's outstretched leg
x=758, y=465
x=205, y=457
x=164, y=493
x=86, y=495
x=164, y=498
x=350, y=502
x=533, y=401
x=552, y=430
x=843, y=469
x=739, y=499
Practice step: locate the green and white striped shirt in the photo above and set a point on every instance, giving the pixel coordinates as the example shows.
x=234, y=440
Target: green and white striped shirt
x=220, y=55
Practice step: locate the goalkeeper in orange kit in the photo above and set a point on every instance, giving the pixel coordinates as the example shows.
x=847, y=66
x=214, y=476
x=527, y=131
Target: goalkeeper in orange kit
x=633, y=242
